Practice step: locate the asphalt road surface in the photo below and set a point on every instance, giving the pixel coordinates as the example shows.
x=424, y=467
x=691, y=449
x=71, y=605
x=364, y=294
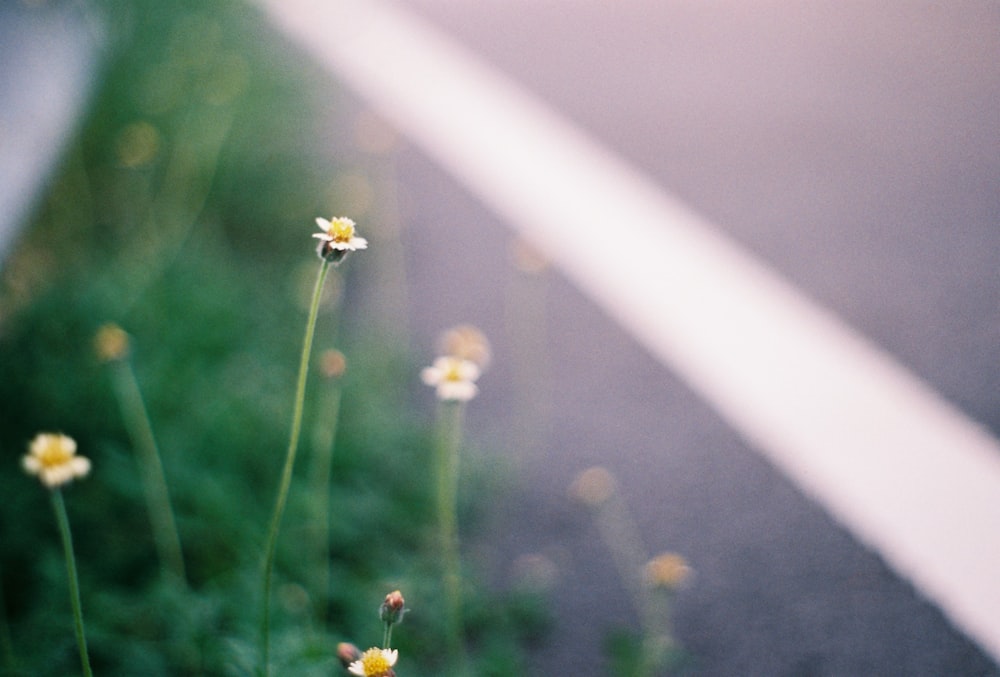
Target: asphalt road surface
x=854, y=147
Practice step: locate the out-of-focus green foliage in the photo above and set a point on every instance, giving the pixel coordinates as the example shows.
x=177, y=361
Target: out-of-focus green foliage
x=183, y=212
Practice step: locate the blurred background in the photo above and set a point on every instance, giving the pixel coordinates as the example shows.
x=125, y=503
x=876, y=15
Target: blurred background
x=162, y=165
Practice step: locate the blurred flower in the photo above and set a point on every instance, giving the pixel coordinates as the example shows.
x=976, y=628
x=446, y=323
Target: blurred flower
x=667, y=570
x=337, y=239
x=53, y=458
x=393, y=607
x=138, y=145
x=332, y=363
x=374, y=663
x=453, y=377
x=111, y=343
x=347, y=653
x=468, y=343
x=593, y=487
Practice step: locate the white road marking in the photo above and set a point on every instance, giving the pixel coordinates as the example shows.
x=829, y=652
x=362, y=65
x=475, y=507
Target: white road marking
x=905, y=471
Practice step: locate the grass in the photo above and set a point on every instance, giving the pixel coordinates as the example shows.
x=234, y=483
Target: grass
x=183, y=212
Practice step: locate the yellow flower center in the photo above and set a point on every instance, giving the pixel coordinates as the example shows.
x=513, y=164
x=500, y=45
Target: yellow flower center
x=341, y=230
x=375, y=664
x=453, y=372
x=55, y=452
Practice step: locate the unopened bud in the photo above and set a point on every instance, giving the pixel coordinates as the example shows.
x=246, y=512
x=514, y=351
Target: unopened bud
x=332, y=363
x=466, y=342
x=593, y=487
x=393, y=607
x=111, y=343
x=347, y=653
x=667, y=570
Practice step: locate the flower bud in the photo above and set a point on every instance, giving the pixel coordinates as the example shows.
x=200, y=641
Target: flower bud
x=347, y=653
x=393, y=607
x=111, y=343
x=667, y=570
x=593, y=487
x=466, y=342
x=332, y=363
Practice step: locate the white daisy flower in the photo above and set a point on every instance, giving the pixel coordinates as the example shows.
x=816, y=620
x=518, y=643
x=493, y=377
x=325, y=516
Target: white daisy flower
x=453, y=377
x=374, y=663
x=338, y=238
x=53, y=458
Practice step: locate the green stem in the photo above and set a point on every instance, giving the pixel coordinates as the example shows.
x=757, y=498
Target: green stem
x=286, y=474
x=161, y=514
x=74, y=585
x=387, y=636
x=446, y=462
x=621, y=535
x=324, y=438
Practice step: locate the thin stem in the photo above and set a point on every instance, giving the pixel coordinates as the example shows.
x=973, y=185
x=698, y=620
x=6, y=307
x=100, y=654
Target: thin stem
x=324, y=437
x=161, y=513
x=286, y=473
x=446, y=462
x=621, y=535
x=74, y=585
x=387, y=636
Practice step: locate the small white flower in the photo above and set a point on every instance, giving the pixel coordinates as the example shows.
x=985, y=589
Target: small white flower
x=374, y=663
x=453, y=377
x=338, y=238
x=53, y=458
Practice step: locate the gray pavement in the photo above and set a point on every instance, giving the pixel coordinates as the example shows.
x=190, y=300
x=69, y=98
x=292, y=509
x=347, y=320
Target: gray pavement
x=780, y=588
x=853, y=146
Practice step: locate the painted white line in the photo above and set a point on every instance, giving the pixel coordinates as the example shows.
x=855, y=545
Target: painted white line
x=901, y=468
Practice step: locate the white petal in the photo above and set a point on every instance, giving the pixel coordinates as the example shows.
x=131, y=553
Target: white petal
x=458, y=391
x=468, y=370
x=56, y=476
x=79, y=466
